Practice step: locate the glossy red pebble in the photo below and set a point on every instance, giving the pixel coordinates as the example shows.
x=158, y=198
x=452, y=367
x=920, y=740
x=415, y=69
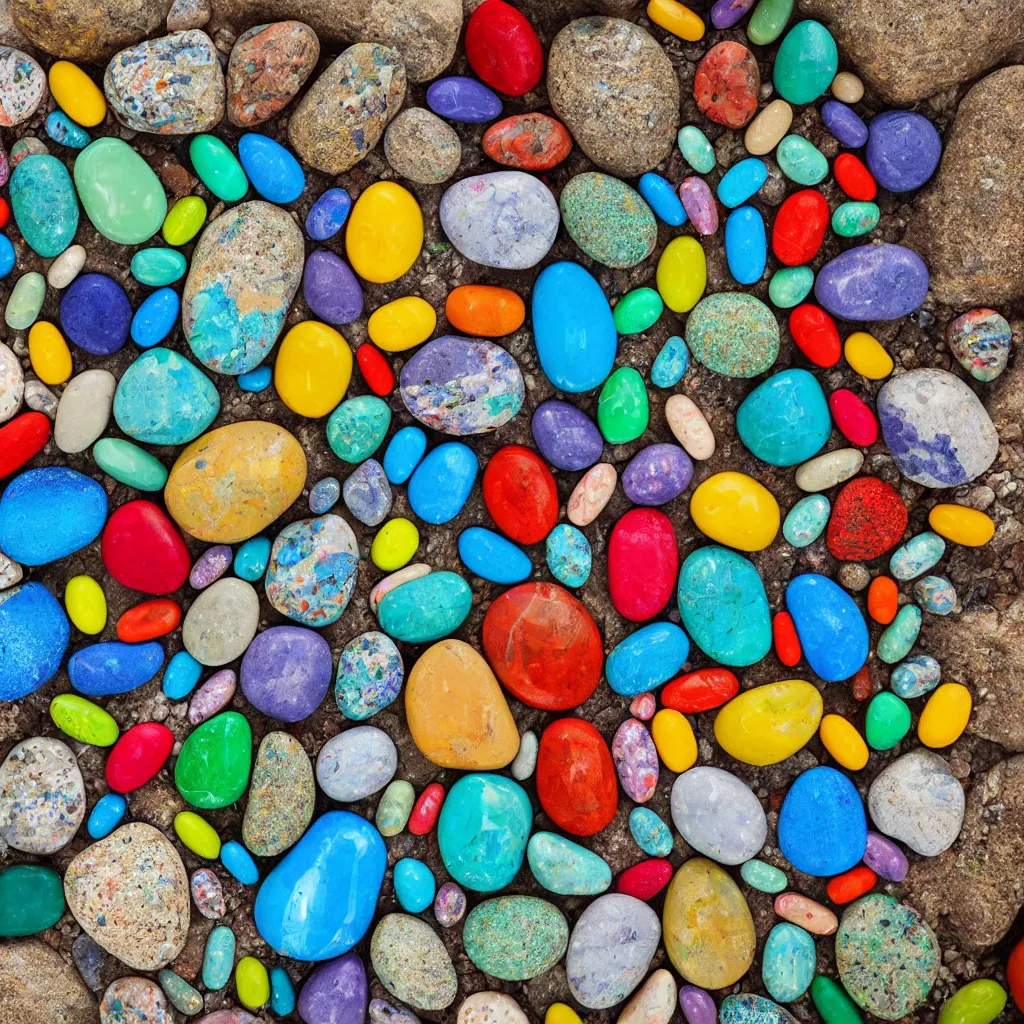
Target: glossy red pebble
x=149, y=620
x=851, y=885
x=503, y=49
x=375, y=369
x=727, y=84
x=1015, y=974
x=860, y=685
x=703, y=690
x=800, y=227
x=528, y=142
x=142, y=549
x=543, y=646
x=643, y=563
x=868, y=518
x=854, y=418
x=5, y=212
x=815, y=334
x=883, y=600
x=138, y=755
x=426, y=809
x=22, y=439
x=854, y=178
x=787, y=643
x=645, y=880
x=520, y=494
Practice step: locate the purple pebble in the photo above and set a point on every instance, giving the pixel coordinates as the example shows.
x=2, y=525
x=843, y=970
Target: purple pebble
x=903, y=150
x=657, y=474
x=210, y=566
x=845, y=124
x=567, y=438
x=873, y=282
x=286, y=672
x=699, y=204
x=697, y=1006
x=335, y=993
x=330, y=288
x=885, y=858
x=328, y=214
x=726, y=13
x=96, y=314
x=463, y=99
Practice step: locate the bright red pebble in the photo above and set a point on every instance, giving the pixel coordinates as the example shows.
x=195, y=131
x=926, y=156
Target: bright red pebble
x=851, y=884
x=503, y=49
x=800, y=227
x=727, y=84
x=815, y=334
x=703, y=690
x=22, y=439
x=375, y=369
x=854, y=178
x=428, y=807
x=149, y=620
x=576, y=781
x=142, y=549
x=868, y=518
x=138, y=755
x=645, y=880
x=520, y=493
x=854, y=418
x=861, y=685
x=1015, y=974
x=5, y=212
x=643, y=563
x=787, y=643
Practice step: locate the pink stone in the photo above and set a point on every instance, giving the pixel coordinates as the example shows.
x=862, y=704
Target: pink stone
x=699, y=204
x=592, y=493
x=213, y=696
x=636, y=760
x=643, y=706
x=806, y=913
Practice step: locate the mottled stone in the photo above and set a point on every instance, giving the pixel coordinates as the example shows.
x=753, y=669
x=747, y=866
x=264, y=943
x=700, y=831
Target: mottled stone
x=411, y=962
x=421, y=147
x=38, y=986
x=281, y=796
x=93, y=32
x=268, y=66
x=134, y=1001
x=369, y=676
x=22, y=86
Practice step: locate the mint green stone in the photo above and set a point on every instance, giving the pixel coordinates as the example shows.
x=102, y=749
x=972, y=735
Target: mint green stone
x=608, y=219
x=182, y=995
x=832, y=1002
x=119, y=191
x=540, y=936
x=622, y=411
x=887, y=721
x=129, y=464
x=395, y=807
x=637, y=310
x=854, y=219
x=806, y=520
x=790, y=286
x=25, y=301
x=158, y=267
x=31, y=899
x=565, y=867
x=357, y=427
x=801, y=161
x=696, y=150
x=900, y=635
x=44, y=204
x=219, y=958
x=424, y=610
x=763, y=877
x=218, y=168
x=768, y=21
x=806, y=62
x=212, y=769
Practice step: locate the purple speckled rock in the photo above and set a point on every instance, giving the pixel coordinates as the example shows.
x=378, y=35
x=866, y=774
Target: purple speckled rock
x=885, y=858
x=213, y=696
x=210, y=566
x=367, y=493
x=449, y=905
x=656, y=474
x=286, y=672
x=697, y=1006
x=567, y=438
x=330, y=288
x=873, y=282
x=208, y=894
x=459, y=98
x=845, y=124
x=726, y=13
x=335, y=993
x=636, y=760
x=328, y=214
x=903, y=150
x=699, y=204
x=96, y=314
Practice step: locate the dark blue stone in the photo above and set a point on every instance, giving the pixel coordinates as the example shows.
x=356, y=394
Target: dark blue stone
x=328, y=214
x=100, y=670
x=845, y=124
x=832, y=631
x=463, y=99
x=96, y=314
x=34, y=634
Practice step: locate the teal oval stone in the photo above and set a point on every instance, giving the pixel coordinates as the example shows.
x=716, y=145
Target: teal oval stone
x=886, y=722
x=31, y=899
x=763, y=877
x=44, y=204
x=696, y=150
x=806, y=62
x=424, y=610
x=565, y=867
x=218, y=168
x=25, y=302
x=785, y=420
x=734, y=334
x=671, y=363
x=851, y=220
x=750, y=1008
x=801, y=161
x=788, y=962
x=568, y=555
x=608, y=219
x=158, y=267
x=917, y=556
x=219, y=958
x=790, y=286
x=64, y=131
x=414, y=885
x=129, y=464
x=724, y=607
x=540, y=930
x=282, y=992
x=251, y=559
x=900, y=635
x=806, y=520
x=649, y=832
x=357, y=427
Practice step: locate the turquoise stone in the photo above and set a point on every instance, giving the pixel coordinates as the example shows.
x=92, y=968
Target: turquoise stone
x=788, y=962
x=565, y=867
x=44, y=204
x=424, y=610
x=900, y=635
x=129, y=464
x=568, y=555
x=671, y=363
x=724, y=606
x=182, y=995
x=357, y=427
x=482, y=831
x=158, y=267
x=749, y=1008
x=282, y=992
x=491, y=557
x=414, y=885
x=219, y=958
x=806, y=62
x=256, y=380
x=63, y=130
x=251, y=559
x=801, y=161
x=763, y=877
x=181, y=676
x=917, y=556
x=649, y=832
x=790, y=286
x=696, y=150
x=785, y=420
x=541, y=937
x=806, y=520
x=106, y=815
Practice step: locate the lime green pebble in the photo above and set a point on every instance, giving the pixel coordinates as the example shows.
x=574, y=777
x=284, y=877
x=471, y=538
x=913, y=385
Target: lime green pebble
x=184, y=220
x=854, y=219
x=252, y=983
x=218, y=168
x=790, y=286
x=800, y=161
x=768, y=21
x=129, y=464
x=197, y=834
x=622, y=411
x=978, y=1002
x=86, y=604
x=887, y=721
x=832, y=1002
x=637, y=310
x=82, y=720
x=395, y=544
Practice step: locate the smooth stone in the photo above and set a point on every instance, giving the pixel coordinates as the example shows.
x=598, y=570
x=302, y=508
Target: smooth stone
x=357, y=427
x=106, y=815
x=328, y=214
x=26, y=300
x=831, y=628
x=935, y=594
x=395, y=807
x=900, y=635
x=385, y=232
x=917, y=556
x=157, y=267
x=527, y=142
x=851, y=220
x=697, y=1006
x=662, y=199
x=331, y=289
x=566, y=436
x=788, y=962
x=488, y=925
x=83, y=411
x=916, y=676
x=887, y=721
x=746, y=247
x=978, y=1002
x=591, y=494
x=212, y=769
x=286, y=672
x=44, y=204
x=412, y=963
x=885, y=858
x=789, y=286
x=806, y=520
x=671, y=363
x=806, y=62
x=440, y=485
x=689, y=427
x=218, y=958
x=335, y=992
x=830, y=469
x=608, y=220
x=656, y=474
x=735, y=509
x=766, y=724
x=801, y=910
x=525, y=761
x=252, y=558
x=95, y=314
x=733, y=334
x=12, y=383
x=903, y=150
x=763, y=877
x=765, y=132
x=693, y=143
x=403, y=454
x=182, y=995
x=568, y=554
x=324, y=495
x=219, y=170
x=459, y=98
x=700, y=206
x=622, y=409
x=647, y=658
x=421, y=147
x=785, y=420
x=113, y=667
x=274, y=173
x=425, y=609
x=801, y=161
x=636, y=760
x=449, y=905
x=718, y=815
x=649, y=832
x=637, y=310
x=369, y=676
x=356, y=763
x=207, y=894
x=490, y=556
x=82, y=720
x=221, y=622
x=22, y=83
x=155, y=318
x=654, y=1003
x=566, y=868
x=743, y=180
x=873, y=282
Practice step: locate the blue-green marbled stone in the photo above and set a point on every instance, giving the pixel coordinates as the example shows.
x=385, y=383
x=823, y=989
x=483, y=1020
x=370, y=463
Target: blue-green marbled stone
x=806, y=520
x=935, y=594
x=649, y=832
x=900, y=635
x=62, y=129
x=44, y=204
x=565, y=867
x=749, y=1008
x=540, y=931
x=369, y=675
x=671, y=363
x=790, y=286
x=916, y=676
x=569, y=556
x=918, y=555
x=801, y=161
x=696, y=150
x=219, y=958
x=788, y=962
x=357, y=427
x=785, y=420
x=158, y=267
x=424, y=610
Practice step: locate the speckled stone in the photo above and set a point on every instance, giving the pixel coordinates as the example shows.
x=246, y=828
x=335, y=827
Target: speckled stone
x=213, y=696
x=12, y=384
x=608, y=219
x=369, y=676
x=22, y=86
x=324, y=495
x=421, y=147
x=411, y=962
x=540, y=925
x=449, y=905
x=750, y=1008
x=356, y=763
x=733, y=334
x=381, y=1012
x=38, y=986
x=281, y=796
x=367, y=493
x=636, y=760
x=208, y=894
x=134, y=1001
x=490, y=1008
x=268, y=66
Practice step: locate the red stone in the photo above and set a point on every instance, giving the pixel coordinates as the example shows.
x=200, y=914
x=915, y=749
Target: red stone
x=860, y=685
x=854, y=178
x=1015, y=974
x=528, y=142
x=576, y=781
x=815, y=334
x=149, y=620
x=143, y=550
x=852, y=884
x=543, y=646
x=854, y=418
x=138, y=755
x=727, y=84
x=643, y=563
x=520, y=493
x=645, y=880
x=427, y=808
x=868, y=518
x=703, y=690
x=503, y=49
x=22, y=439
x=800, y=227
x=5, y=212
x=787, y=643
x=375, y=369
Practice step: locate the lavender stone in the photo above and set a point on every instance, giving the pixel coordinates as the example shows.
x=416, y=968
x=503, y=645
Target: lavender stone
x=873, y=282
x=213, y=696
x=885, y=858
x=459, y=98
x=367, y=493
x=697, y=1006
x=286, y=672
x=330, y=288
x=335, y=993
x=210, y=566
x=657, y=474
x=449, y=905
x=903, y=150
x=636, y=760
x=328, y=214
x=566, y=437
x=725, y=14
x=845, y=124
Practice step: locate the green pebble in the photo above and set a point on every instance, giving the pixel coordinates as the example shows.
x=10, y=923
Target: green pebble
x=158, y=266
x=832, y=1002
x=900, y=635
x=622, y=412
x=129, y=464
x=608, y=220
x=395, y=807
x=540, y=930
x=31, y=899
x=218, y=168
x=790, y=286
x=801, y=161
x=357, y=427
x=184, y=998
x=212, y=769
x=851, y=220
x=887, y=721
x=184, y=220
x=806, y=62
x=768, y=21
x=763, y=877
x=978, y=1002
x=25, y=302
x=696, y=150
x=637, y=310
x=83, y=721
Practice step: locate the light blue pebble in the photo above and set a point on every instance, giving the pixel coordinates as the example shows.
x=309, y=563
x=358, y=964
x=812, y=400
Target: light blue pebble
x=916, y=676
x=426, y=609
x=439, y=486
x=414, y=885
x=219, y=958
x=741, y=181
x=696, y=150
x=918, y=555
x=806, y=520
x=568, y=555
x=491, y=557
x=662, y=198
x=649, y=832
x=256, y=380
x=155, y=318
x=328, y=214
x=251, y=559
x=106, y=815
x=237, y=859
x=183, y=672
x=63, y=130
x=403, y=454
x=324, y=495
x=788, y=962
x=647, y=658
x=935, y=594
x=671, y=363
x=282, y=992
x=831, y=627
x=7, y=256
x=900, y=635
x=111, y=667
x=763, y=877
x=273, y=171
x=746, y=245
x=564, y=867
x=157, y=266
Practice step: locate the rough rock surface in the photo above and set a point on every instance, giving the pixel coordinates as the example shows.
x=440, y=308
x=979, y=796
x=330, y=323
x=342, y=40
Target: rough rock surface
x=38, y=986
x=88, y=31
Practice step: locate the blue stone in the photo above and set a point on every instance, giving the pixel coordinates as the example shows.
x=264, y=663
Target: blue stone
x=103, y=669
x=671, y=363
x=831, y=628
x=873, y=282
x=647, y=658
x=491, y=557
x=806, y=520
x=158, y=266
x=181, y=676
x=573, y=328
x=916, y=676
x=662, y=199
x=439, y=486
x=324, y=495
x=749, y=1008
x=256, y=380
x=272, y=170
x=414, y=885
x=282, y=991
x=746, y=245
x=742, y=181
x=917, y=556
x=568, y=555
x=649, y=832
x=822, y=828
x=482, y=831
x=8, y=257
x=237, y=859
x=463, y=99
x=565, y=867
x=44, y=204
x=106, y=815
x=218, y=958
x=788, y=962
x=367, y=493
x=46, y=514
x=845, y=124
x=34, y=634
x=96, y=314
x=319, y=900
x=155, y=318
x=251, y=559
x=903, y=151
x=64, y=131
x=785, y=420
x=328, y=214
x=403, y=454
x=426, y=609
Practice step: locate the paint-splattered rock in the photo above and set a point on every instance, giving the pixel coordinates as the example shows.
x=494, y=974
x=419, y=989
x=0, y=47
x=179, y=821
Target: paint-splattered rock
x=281, y=796
x=268, y=66
x=244, y=274
x=411, y=962
x=527, y=142
x=369, y=675
x=540, y=924
x=344, y=114
x=980, y=340
x=745, y=1008
x=208, y=894
x=172, y=85
x=134, y=1001
x=636, y=760
x=22, y=86
x=733, y=334
x=608, y=220
x=421, y=147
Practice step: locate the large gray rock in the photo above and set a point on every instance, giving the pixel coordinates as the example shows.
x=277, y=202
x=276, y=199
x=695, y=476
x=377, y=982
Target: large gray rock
x=37, y=986
x=93, y=30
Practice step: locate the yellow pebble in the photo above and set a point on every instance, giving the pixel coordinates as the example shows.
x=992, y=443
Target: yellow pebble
x=252, y=983
x=77, y=94
x=735, y=510
x=183, y=220
x=395, y=544
x=682, y=274
x=385, y=232
x=767, y=724
x=945, y=715
x=674, y=739
x=86, y=604
x=401, y=324
x=843, y=742
x=49, y=353
x=961, y=525
x=313, y=369
x=197, y=834
x=559, y=1013
x=675, y=18
x=866, y=356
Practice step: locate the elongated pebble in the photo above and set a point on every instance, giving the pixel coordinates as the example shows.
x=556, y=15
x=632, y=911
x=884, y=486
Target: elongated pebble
x=592, y=493
x=525, y=761
x=66, y=267
x=807, y=913
x=404, y=575
x=825, y=471
x=690, y=427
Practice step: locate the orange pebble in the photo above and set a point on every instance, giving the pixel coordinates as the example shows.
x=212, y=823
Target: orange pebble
x=149, y=620
x=883, y=600
x=851, y=884
x=787, y=643
x=484, y=310
x=1015, y=974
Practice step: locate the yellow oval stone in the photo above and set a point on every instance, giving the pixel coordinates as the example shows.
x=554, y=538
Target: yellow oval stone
x=457, y=714
x=736, y=510
x=252, y=983
x=673, y=17
x=682, y=274
x=77, y=94
x=708, y=930
x=385, y=232
x=399, y=325
x=49, y=353
x=945, y=715
x=843, y=742
x=197, y=834
x=235, y=481
x=82, y=720
x=674, y=740
x=961, y=525
x=313, y=369
x=767, y=724
x=866, y=356
x=86, y=604
x=559, y=1013
x=184, y=219
x=395, y=544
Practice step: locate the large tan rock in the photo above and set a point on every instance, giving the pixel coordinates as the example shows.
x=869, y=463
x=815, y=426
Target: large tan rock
x=37, y=986
x=88, y=29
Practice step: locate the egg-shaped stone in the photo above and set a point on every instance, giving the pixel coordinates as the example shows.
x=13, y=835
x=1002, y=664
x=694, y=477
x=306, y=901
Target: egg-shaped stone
x=767, y=724
x=718, y=815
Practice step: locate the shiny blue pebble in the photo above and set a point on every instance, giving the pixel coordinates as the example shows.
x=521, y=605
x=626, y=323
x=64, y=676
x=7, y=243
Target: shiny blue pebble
x=256, y=380
x=440, y=485
x=831, y=628
x=671, y=363
x=742, y=181
x=63, y=130
x=273, y=171
x=328, y=214
x=103, y=669
x=662, y=199
x=324, y=495
x=649, y=832
x=414, y=885
x=785, y=420
x=491, y=557
x=106, y=815
x=463, y=99
x=746, y=245
x=282, y=992
x=403, y=454
x=845, y=124
x=568, y=555
x=34, y=634
x=251, y=559
x=7, y=256
x=237, y=859
x=155, y=318
x=647, y=658
x=182, y=675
